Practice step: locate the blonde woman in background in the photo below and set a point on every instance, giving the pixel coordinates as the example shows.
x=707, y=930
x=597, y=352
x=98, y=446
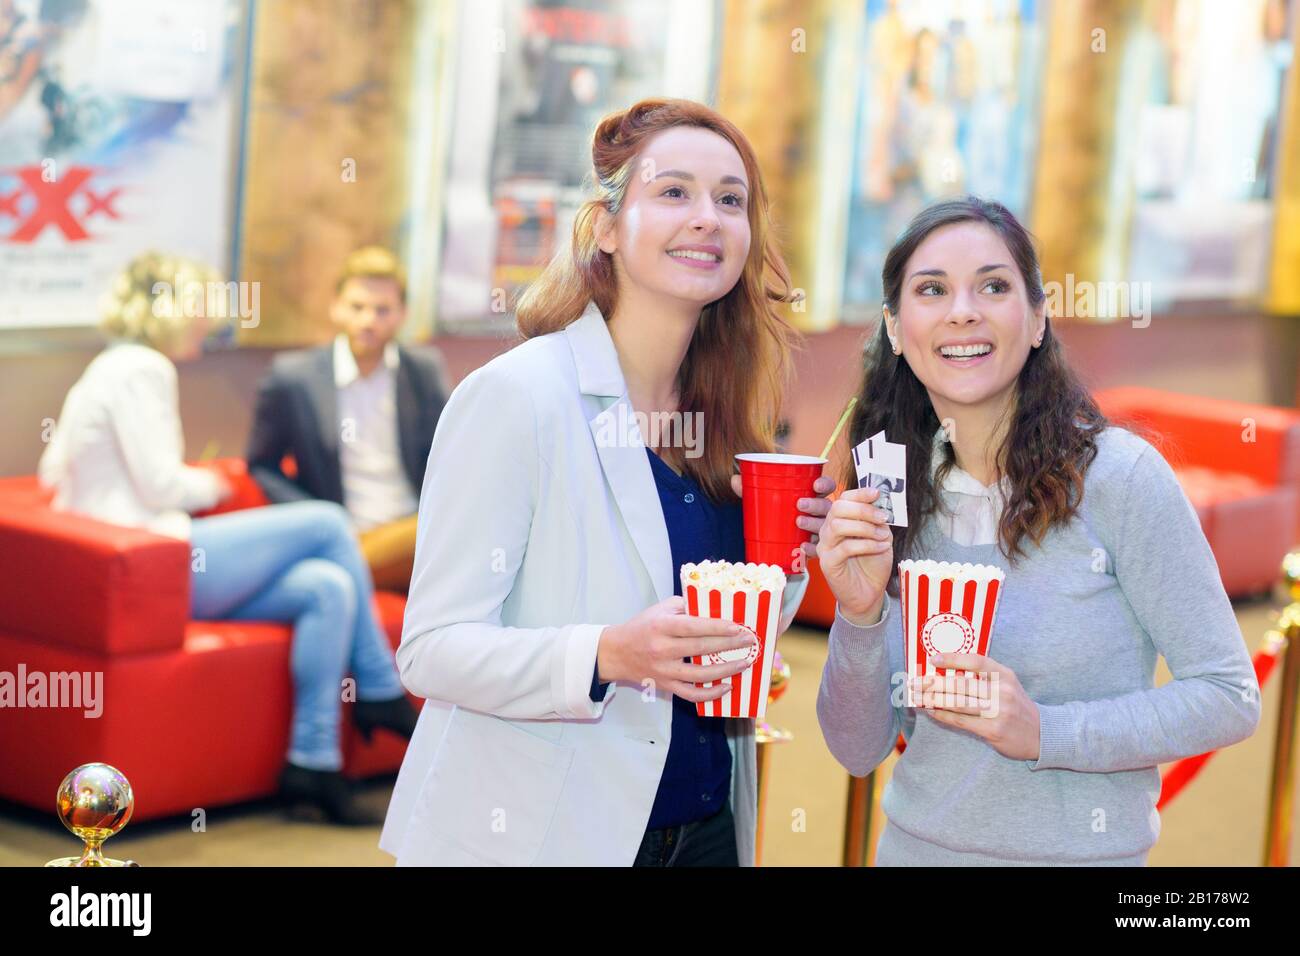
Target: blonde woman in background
x=117, y=456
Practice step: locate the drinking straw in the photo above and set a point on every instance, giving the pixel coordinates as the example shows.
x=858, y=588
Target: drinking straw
x=839, y=426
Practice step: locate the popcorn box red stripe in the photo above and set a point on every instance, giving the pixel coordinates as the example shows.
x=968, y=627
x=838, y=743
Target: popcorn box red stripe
x=759, y=688
x=738, y=616
x=693, y=609
x=922, y=598
x=990, y=609
x=715, y=612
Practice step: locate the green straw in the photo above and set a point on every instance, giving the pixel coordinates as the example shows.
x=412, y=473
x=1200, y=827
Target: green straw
x=839, y=427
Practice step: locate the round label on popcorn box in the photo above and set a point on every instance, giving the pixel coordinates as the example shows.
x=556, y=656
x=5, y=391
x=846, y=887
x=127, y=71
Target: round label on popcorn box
x=748, y=655
x=948, y=633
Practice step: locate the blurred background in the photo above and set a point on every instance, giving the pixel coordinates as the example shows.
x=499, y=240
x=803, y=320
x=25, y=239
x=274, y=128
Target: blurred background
x=1152, y=147
x=1154, y=144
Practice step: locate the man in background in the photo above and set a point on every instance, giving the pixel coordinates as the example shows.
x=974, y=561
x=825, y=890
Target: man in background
x=356, y=416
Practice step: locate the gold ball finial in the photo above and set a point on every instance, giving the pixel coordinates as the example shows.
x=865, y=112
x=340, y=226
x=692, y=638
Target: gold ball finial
x=94, y=802
x=780, y=677
x=1290, y=580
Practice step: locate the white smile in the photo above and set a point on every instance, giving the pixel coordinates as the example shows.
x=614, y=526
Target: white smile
x=702, y=256
x=964, y=351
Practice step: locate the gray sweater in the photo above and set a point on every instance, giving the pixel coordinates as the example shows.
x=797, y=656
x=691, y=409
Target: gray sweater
x=1081, y=622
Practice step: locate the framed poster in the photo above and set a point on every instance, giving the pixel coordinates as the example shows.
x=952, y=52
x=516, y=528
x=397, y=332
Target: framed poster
x=118, y=134
x=947, y=105
x=1205, y=83
x=532, y=78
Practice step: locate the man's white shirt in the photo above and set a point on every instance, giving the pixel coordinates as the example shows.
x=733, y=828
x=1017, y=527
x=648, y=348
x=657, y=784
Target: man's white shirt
x=375, y=487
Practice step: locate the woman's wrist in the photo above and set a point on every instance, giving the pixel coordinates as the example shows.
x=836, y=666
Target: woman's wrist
x=868, y=617
x=605, y=653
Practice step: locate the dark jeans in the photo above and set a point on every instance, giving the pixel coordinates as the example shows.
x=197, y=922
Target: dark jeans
x=708, y=842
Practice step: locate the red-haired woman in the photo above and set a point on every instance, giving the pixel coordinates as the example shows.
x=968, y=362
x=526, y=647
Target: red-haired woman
x=570, y=480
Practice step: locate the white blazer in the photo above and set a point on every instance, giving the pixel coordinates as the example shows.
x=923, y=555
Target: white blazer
x=533, y=537
x=118, y=453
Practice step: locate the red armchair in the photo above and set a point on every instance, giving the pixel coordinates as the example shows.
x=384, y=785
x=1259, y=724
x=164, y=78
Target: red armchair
x=1246, y=492
x=195, y=713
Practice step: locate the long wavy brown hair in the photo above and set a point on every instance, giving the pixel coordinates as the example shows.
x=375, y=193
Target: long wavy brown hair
x=1052, y=436
x=738, y=363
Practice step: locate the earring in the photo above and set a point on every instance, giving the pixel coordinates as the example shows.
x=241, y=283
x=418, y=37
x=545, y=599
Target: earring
x=884, y=318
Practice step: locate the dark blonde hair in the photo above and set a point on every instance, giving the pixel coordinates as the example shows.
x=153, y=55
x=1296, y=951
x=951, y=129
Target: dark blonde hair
x=156, y=297
x=738, y=362
x=373, y=262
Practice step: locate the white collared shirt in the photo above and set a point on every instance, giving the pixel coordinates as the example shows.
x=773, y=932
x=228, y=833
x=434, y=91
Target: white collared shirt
x=976, y=508
x=375, y=486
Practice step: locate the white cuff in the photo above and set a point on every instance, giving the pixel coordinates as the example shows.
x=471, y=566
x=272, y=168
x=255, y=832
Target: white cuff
x=571, y=673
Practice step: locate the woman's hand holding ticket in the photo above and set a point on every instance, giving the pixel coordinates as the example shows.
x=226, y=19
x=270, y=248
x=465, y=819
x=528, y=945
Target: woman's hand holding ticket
x=856, y=549
x=651, y=646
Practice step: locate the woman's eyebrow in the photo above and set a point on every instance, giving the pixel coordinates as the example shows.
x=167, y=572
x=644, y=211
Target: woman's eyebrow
x=939, y=272
x=682, y=174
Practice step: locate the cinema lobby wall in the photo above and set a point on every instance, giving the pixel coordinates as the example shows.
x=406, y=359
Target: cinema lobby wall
x=298, y=217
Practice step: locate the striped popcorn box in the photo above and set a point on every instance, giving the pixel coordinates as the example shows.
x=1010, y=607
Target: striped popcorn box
x=748, y=594
x=948, y=608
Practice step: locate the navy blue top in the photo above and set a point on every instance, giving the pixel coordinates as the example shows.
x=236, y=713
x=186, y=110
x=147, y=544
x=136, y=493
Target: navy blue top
x=697, y=774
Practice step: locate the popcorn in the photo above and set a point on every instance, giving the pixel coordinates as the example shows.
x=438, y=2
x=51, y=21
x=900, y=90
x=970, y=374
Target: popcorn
x=954, y=569
x=731, y=577
x=747, y=594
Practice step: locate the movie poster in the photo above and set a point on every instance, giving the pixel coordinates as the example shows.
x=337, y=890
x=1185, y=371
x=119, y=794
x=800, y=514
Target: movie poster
x=116, y=136
x=534, y=77
x=947, y=105
x=1205, y=95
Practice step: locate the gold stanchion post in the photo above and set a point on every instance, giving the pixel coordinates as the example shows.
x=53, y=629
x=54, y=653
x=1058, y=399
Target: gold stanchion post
x=765, y=735
x=857, y=820
x=1277, y=835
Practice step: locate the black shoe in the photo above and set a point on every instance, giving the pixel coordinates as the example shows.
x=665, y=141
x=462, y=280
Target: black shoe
x=396, y=715
x=327, y=791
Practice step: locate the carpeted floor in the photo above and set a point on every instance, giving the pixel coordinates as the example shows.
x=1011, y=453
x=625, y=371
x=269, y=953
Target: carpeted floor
x=1217, y=821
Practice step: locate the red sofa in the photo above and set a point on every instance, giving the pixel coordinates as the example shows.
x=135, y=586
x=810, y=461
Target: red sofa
x=1246, y=493
x=195, y=713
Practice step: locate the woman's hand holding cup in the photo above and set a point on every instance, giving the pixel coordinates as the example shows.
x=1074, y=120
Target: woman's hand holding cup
x=812, y=511
x=856, y=549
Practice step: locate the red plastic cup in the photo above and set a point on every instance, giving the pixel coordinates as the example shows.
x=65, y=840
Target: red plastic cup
x=773, y=485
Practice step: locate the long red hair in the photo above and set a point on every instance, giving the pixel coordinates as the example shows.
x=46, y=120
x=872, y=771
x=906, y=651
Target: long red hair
x=738, y=363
